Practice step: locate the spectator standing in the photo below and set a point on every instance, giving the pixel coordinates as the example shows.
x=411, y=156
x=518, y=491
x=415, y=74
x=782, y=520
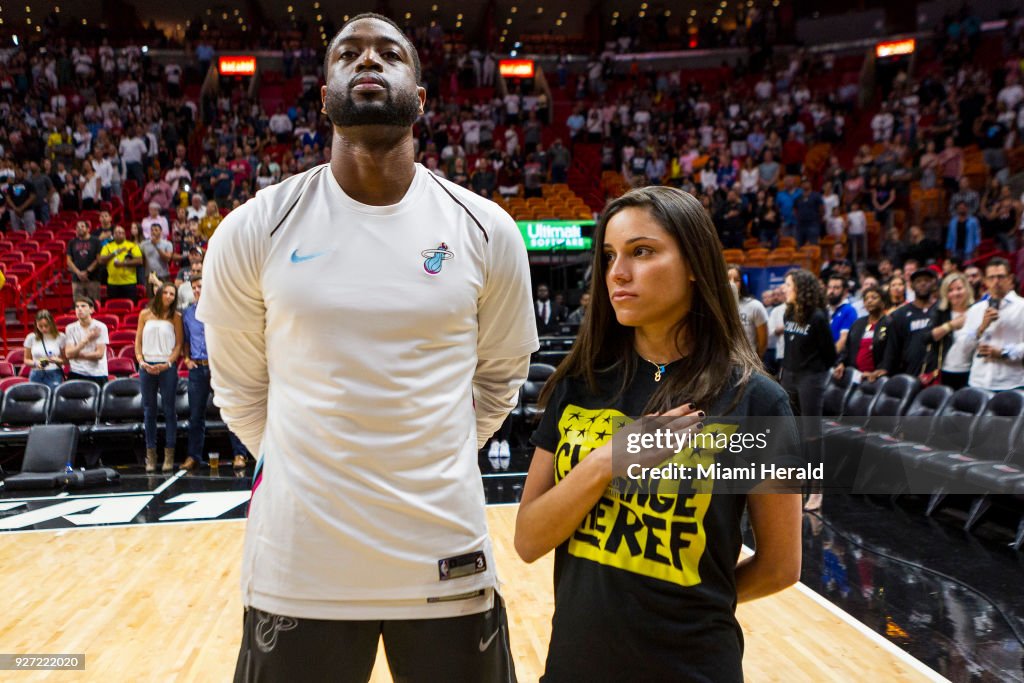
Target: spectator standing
x=964, y=233
x=121, y=257
x=865, y=346
x=155, y=221
x=995, y=331
x=910, y=349
x=86, y=344
x=842, y=314
x=44, y=351
x=955, y=299
x=808, y=210
x=158, y=343
x=810, y=352
x=83, y=262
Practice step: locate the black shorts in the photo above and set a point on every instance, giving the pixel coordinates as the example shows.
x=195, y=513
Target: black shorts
x=472, y=648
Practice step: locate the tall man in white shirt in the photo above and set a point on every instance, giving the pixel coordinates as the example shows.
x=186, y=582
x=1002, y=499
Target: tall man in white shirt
x=996, y=327
x=368, y=326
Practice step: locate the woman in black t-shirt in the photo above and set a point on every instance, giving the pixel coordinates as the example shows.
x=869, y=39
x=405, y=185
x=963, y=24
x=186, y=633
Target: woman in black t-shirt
x=646, y=584
x=810, y=354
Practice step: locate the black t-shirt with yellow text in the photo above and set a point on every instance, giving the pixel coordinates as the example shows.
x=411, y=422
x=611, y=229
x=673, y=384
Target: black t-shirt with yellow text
x=645, y=587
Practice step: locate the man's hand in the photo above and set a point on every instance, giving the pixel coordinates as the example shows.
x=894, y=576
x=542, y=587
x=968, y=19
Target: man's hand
x=991, y=316
x=990, y=351
x=191, y=364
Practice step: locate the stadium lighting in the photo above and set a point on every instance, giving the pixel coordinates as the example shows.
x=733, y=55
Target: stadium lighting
x=540, y=10
x=558, y=23
x=15, y=39
x=145, y=49
x=895, y=48
x=513, y=53
x=514, y=9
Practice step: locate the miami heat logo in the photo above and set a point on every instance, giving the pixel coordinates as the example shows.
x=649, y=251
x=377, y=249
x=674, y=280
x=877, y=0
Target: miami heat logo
x=267, y=628
x=435, y=257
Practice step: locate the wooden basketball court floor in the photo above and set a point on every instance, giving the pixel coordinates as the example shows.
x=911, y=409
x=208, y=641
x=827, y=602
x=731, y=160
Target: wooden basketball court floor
x=161, y=602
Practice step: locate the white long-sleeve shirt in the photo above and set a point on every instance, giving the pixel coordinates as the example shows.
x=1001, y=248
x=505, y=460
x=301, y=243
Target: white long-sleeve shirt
x=348, y=344
x=997, y=374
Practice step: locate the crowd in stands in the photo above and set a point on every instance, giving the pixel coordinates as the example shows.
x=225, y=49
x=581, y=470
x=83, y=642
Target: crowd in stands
x=86, y=130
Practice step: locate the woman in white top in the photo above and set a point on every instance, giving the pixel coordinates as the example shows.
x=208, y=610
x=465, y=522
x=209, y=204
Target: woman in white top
x=749, y=179
x=857, y=232
x=91, y=187
x=709, y=176
x=753, y=314
x=955, y=297
x=158, y=344
x=44, y=352
x=835, y=224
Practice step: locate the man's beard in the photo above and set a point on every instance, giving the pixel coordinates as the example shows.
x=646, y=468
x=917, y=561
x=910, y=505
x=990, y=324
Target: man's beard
x=835, y=300
x=399, y=110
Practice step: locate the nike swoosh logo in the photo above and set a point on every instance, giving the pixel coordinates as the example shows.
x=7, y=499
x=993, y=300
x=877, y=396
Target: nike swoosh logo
x=308, y=257
x=484, y=644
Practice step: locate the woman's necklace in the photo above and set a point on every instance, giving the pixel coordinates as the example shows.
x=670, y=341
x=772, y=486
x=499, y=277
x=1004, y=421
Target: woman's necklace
x=659, y=369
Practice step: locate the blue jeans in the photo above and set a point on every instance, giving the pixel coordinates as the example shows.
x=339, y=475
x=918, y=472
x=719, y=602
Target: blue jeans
x=167, y=383
x=51, y=378
x=808, y=233
x=198, y=395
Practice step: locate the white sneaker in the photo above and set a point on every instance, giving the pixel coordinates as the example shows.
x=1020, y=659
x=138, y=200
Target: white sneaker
x=504, y=455
x=493, y=457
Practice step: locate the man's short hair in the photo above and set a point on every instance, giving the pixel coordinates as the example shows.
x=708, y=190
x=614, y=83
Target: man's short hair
x=998, y=261
x=379, y=17
x=87, y=299
x=837, y=276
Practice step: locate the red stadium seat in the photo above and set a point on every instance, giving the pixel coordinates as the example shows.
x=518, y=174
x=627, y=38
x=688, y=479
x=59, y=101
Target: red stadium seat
x=109, y=319
x=7, y=370
x=118, y=306
x=121, y=367
x=9, y=382
x=65, y=320
x=122, y=337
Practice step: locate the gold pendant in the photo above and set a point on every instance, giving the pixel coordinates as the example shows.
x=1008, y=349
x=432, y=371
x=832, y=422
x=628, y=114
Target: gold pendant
x=657, y=375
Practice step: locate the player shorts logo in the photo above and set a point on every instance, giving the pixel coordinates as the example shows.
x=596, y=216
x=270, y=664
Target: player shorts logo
x=435, y=257
x=267, y=628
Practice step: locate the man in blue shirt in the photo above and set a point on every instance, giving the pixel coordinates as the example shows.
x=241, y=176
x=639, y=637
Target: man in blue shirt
x=809, y=209
x=841, y=312
x=198, y=365
x=786, y=199
x=964, y=232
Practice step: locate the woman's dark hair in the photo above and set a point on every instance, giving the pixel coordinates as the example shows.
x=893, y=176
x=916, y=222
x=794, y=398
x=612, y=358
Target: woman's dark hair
x=156, y=304
x=744, y=290
x=810, y=295
x=717, y=345
x=45, y=315
x=875, y=289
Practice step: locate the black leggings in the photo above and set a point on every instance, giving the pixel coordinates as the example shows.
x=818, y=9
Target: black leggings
x=806, y=391
x=807, y=397
x=955, y=380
